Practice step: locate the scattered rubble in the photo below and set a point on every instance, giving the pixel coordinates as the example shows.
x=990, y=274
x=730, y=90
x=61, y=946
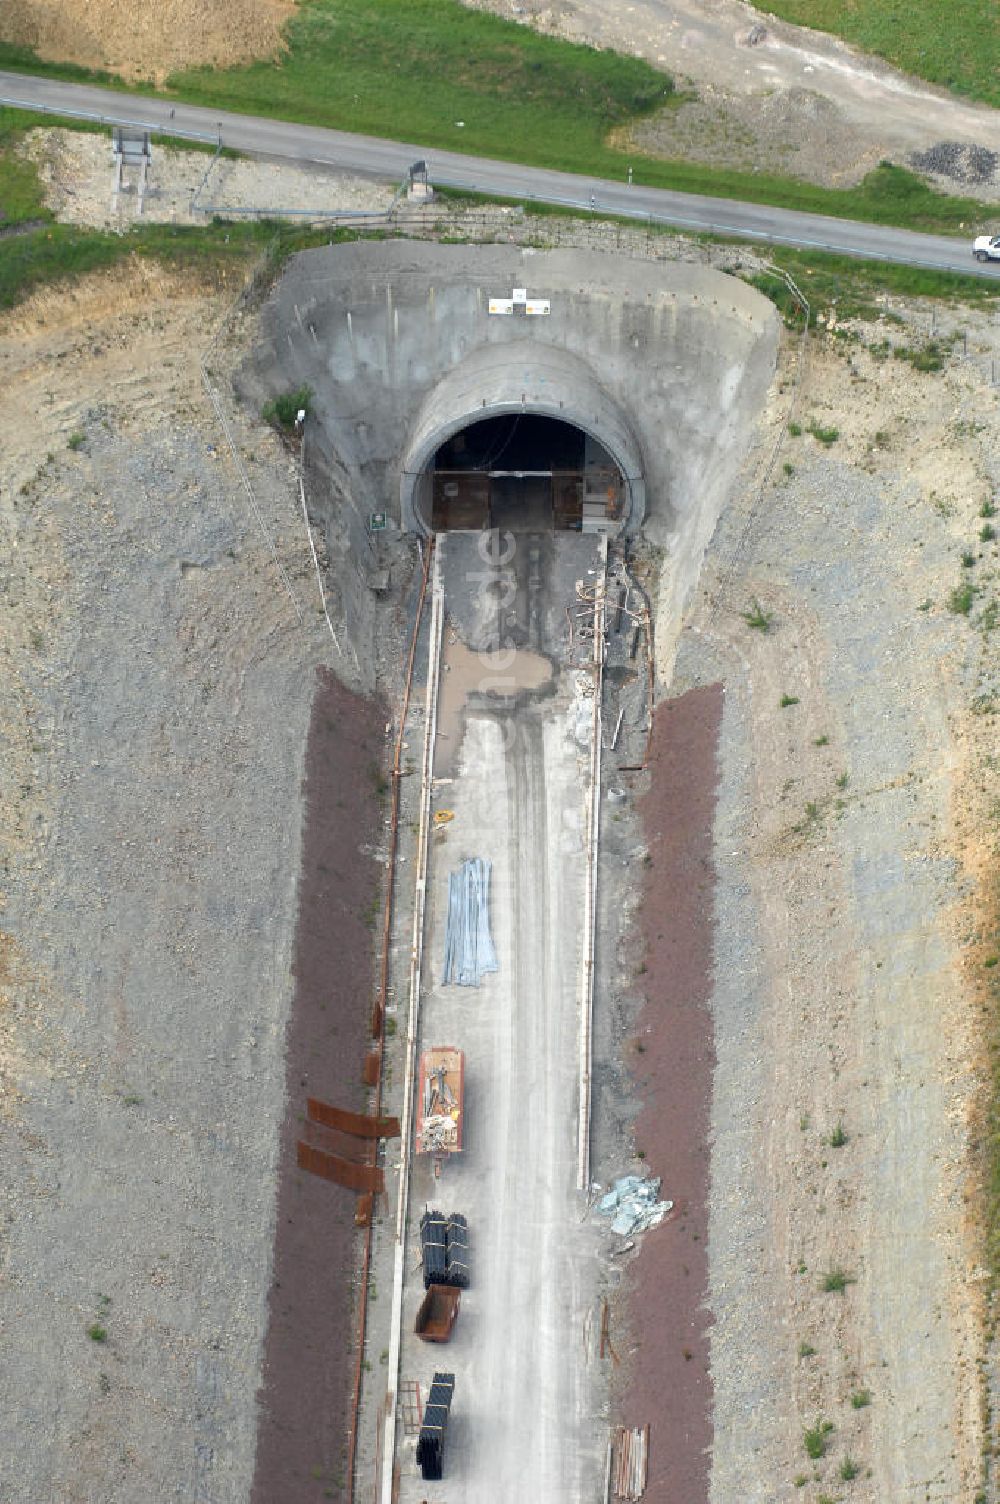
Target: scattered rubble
x=634, y=1205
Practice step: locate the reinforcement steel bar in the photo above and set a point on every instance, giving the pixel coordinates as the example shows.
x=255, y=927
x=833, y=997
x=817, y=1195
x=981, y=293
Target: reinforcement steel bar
x=468, y=945
x=631, y=1464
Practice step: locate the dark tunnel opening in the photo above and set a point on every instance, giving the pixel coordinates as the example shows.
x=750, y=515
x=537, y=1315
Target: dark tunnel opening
x=524, y=472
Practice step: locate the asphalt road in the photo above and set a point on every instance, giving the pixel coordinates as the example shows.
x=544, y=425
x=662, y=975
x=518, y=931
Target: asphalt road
x=306, y=144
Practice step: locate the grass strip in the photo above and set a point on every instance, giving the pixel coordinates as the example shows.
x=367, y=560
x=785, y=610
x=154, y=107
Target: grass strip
x=857, y=289
x=58, y=253
x=15, y=59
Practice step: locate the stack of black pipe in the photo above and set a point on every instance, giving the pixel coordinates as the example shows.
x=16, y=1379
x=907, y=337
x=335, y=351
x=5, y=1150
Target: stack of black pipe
x=430, y=1443
x=444, y=1245
x=458, y=1251
x=434, y=1248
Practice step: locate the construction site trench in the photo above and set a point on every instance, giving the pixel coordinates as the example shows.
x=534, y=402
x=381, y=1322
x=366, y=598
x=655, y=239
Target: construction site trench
x=697, y=791
x=531, y=437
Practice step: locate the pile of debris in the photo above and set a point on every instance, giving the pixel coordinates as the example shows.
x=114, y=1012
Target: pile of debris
x=959, y=160
x=634, y=1204
x=439, y=1110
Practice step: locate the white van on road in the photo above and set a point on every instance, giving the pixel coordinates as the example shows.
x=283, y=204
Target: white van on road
x=986, y=247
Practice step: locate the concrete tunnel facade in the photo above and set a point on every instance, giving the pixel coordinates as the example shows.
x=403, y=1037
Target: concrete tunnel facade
x=666, y=363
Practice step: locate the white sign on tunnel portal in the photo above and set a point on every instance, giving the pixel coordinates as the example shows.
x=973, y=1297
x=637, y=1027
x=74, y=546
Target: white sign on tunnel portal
x=520, y=305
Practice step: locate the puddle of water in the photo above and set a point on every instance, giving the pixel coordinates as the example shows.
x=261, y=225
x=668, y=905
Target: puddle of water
x=464, y=673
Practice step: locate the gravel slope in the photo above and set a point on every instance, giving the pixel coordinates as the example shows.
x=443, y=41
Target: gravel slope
x=844, y=995
x=155, y=700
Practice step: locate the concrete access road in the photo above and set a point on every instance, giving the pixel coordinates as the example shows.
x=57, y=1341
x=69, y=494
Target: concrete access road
x=392, y=159
x=529, y=1415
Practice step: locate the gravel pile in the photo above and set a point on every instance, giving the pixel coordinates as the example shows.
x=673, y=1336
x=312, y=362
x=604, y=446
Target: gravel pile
x=975, y=166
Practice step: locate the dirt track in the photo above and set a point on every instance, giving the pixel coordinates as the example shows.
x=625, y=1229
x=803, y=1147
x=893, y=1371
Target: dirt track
x=518, y=801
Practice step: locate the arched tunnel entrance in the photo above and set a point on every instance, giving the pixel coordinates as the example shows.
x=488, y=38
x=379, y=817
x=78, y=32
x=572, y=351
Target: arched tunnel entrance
x=523, y=472
x=523, y=437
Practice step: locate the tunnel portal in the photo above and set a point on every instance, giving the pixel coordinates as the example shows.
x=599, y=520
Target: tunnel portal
x=524, y=472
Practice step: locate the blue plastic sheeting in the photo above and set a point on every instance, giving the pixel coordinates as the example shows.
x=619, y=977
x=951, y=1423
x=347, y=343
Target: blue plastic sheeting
x=468, y=946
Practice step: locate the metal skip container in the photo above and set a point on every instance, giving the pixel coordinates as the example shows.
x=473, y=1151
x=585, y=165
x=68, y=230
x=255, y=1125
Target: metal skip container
x=440, y=1101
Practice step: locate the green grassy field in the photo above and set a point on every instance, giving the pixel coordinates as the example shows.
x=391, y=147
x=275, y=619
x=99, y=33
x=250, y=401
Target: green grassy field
x=417, y=68
x=57, y=253
x=954, y=43
x=853, y=288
